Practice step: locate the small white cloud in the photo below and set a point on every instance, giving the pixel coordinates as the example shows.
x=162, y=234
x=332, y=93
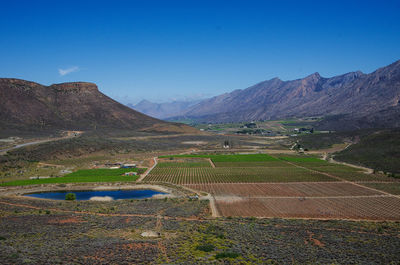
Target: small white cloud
x=63, y=72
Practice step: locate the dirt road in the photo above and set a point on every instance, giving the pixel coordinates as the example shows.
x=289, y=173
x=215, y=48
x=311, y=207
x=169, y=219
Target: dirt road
x=68, y=135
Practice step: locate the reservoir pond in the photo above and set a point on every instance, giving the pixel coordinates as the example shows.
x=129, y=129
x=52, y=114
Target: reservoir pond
x=100, y=195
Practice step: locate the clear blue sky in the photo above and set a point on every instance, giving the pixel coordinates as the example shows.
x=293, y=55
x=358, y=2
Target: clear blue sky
x=160, y=50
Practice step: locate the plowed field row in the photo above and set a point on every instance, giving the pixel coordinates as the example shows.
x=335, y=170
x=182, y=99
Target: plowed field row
x=253, y=164
x=367, y=208
x=311, y=189
x=183, y=164
x=351, y=175
x=229, y=175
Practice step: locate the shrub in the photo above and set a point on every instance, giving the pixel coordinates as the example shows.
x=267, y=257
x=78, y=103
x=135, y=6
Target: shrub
x=70, y=196
x=206, y=247
x=228, y=254
x=252, y=219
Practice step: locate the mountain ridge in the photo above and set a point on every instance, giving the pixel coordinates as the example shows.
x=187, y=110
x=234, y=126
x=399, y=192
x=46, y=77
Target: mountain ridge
x=349, y=93
x=28, y=105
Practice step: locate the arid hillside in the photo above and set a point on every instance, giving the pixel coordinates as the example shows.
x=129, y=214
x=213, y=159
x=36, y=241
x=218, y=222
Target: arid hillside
x=71, y=106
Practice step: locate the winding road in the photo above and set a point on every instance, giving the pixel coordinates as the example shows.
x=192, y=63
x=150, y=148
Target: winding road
x=69, y=135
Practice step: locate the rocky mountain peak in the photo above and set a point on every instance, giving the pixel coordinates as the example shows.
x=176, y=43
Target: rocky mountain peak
x=313, y=77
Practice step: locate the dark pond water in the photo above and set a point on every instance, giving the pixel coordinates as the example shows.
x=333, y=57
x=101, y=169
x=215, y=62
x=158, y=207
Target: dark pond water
x=86, y=195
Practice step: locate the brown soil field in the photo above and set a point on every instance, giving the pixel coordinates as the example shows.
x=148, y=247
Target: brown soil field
x=361, y=208
x=305, y=189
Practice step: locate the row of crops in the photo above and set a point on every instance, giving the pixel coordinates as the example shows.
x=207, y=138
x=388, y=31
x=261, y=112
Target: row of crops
x=275, y=163
x=292, y=189
x=341, y=171
x=230, y=158
x=183, y=164
x=368, y=208
x=229, y=175
x=252, y=168
x=349, y=173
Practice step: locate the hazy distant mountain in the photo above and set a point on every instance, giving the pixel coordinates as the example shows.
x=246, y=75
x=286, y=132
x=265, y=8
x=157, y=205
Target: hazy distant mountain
x=163, y=110
x=353, y=95
x=70, y=106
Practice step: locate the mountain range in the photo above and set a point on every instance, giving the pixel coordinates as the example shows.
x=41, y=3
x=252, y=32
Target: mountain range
x=163, y=110
x=351, y=101
x=360, y=100
x=31, y=106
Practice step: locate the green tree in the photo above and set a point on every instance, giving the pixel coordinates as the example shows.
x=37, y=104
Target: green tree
x=70, y=197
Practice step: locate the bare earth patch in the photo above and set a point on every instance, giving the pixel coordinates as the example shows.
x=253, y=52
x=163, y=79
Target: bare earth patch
x=150, y=234
x=101, y=198
x=194, y=142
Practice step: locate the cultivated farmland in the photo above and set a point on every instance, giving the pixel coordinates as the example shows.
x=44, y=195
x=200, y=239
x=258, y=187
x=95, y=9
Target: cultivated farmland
x=305, y=189
x=233, y=169
x=364, y=207
x=183, y=164
x=232, y=175
x=275, y=163
x=230, y=158
x=82, y=176
x=295, y=186
x=348, y=173
x=342, y=171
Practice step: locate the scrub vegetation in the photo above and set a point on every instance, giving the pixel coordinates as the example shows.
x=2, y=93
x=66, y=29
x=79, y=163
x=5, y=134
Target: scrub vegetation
x=111, y=232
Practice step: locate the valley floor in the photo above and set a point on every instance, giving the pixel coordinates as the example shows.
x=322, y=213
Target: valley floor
x=256, y=203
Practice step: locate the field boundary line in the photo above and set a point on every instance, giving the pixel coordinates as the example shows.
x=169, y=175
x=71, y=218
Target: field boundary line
x=212, y=163
x=148, y=170
x=213, y=206
x=374, y=181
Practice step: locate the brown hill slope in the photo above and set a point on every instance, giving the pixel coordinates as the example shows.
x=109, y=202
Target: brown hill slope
x=71, y=106
x=353, y=93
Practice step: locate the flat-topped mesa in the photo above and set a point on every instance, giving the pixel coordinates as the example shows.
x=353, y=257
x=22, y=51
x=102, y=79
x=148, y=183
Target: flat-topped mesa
x=75, y=87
